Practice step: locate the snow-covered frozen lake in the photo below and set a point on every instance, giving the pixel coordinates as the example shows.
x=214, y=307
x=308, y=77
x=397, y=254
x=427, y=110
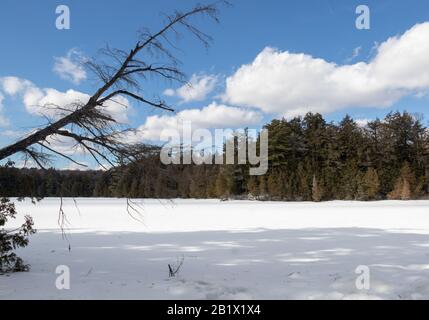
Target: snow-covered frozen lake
x=230, y=250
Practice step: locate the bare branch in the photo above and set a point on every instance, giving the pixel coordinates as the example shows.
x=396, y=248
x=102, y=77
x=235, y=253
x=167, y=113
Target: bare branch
x=62, y=155
x=160, y=104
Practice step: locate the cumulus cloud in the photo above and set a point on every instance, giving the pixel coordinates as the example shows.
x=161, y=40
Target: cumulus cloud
x=38, y=101
x=3, y=121
x=210, y=117
x=45, y=101
x=13, y=85
x=291, y=84
x=196, y=90
x=70, y=67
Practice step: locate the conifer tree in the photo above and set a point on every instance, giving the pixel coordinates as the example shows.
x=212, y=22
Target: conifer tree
x=369, y=185
x=404, y=184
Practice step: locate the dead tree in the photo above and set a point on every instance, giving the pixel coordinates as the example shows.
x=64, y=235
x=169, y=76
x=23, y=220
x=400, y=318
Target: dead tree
x=121, y=73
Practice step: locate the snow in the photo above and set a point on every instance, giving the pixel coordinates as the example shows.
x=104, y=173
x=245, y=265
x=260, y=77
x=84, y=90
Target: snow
x=230, y=250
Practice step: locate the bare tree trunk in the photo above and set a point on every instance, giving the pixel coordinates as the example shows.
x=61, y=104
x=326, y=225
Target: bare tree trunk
x=37, y=136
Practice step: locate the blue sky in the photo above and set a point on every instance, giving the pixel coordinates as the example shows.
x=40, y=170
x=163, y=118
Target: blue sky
x=324, y=30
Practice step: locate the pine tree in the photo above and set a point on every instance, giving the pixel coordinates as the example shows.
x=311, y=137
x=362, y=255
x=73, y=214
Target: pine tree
x=406, y=193
x=11, y=240
x=369, y=185
x=302, y=189
x=274, y=185
x=403, y=189
x=349, y=183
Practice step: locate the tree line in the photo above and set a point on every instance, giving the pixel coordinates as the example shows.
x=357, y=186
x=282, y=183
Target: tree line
x=310, y=159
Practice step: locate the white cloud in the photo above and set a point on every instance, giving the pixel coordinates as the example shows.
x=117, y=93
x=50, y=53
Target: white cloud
x=13, y=85
x=70, y=67
x=76, y=167
x=196, y=90
x=119, y=108
x=362, y=122
x=210, y=117
x=39, y=101
x=13, y=134
x=170, y=92
x=3, y=121
x=65, y=145
x=292, y=84
x=45, y=101
x=20, y=164
x=355, y=54
x=10, y=133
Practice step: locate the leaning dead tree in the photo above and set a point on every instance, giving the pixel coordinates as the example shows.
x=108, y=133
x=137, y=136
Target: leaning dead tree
x=122, y=74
